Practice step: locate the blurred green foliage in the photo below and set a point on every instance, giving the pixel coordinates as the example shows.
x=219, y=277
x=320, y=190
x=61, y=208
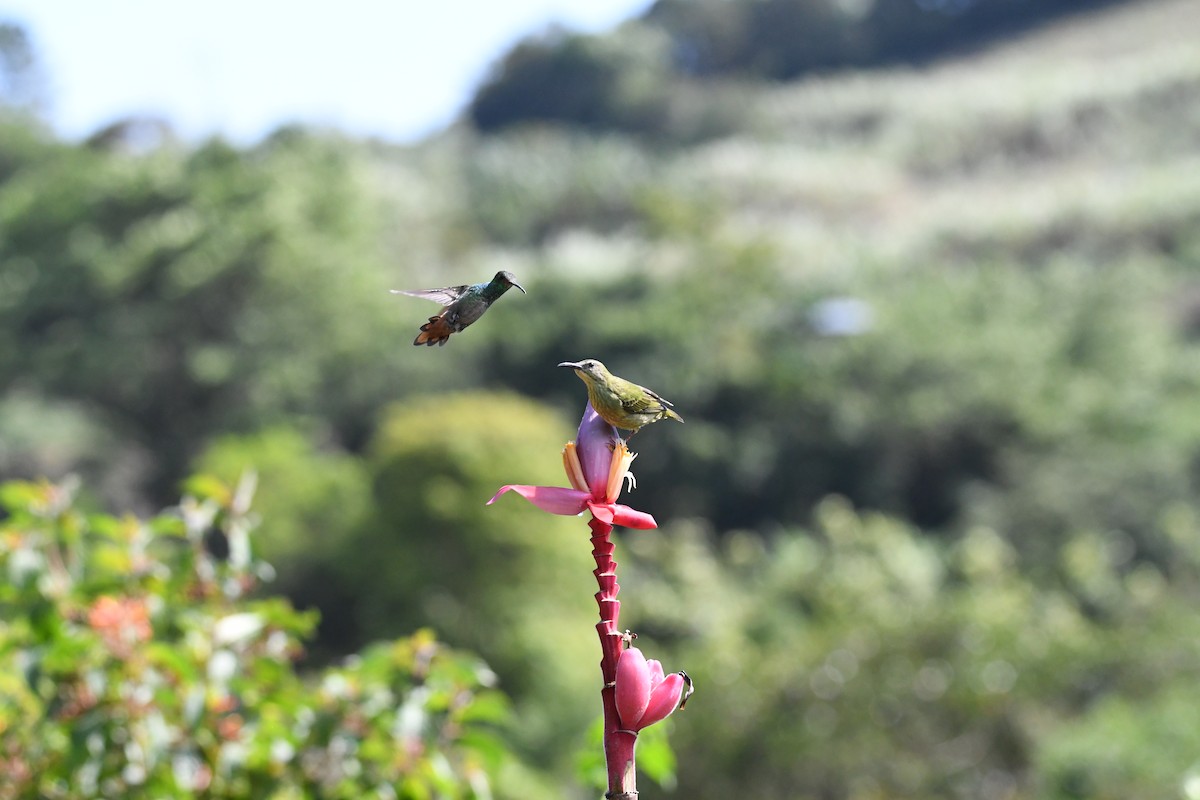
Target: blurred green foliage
x=864, y=660
x=134, y=664
x=310, y=501
x=434, y=464
x=931, y=527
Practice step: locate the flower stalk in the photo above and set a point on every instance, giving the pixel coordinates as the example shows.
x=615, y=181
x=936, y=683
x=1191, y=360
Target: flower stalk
x=619, y=744
x=597, y=467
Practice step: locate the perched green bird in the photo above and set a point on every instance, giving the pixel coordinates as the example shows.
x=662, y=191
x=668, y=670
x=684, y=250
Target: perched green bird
x=464, y=305
x=620, y=403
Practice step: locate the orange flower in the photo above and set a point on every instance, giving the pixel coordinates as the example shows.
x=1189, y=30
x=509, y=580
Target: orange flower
x=121, y=622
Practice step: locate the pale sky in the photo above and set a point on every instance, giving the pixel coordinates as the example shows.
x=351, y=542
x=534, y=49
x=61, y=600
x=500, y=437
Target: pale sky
x=398, y=70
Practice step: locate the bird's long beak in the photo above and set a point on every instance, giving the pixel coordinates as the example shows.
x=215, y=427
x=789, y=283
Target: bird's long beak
x=570, y=364
x=519, y=286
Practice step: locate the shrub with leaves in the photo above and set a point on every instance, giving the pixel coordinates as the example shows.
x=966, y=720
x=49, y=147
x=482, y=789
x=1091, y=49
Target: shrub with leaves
x=135, y=661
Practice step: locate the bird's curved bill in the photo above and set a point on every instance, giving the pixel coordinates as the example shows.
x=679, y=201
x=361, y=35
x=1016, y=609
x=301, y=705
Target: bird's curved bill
x=519, y=286
x=571, y=364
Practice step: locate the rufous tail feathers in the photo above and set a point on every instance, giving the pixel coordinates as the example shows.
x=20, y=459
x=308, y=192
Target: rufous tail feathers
x=436, y=331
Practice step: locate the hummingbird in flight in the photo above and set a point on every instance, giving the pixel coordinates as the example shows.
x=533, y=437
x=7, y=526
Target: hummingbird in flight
x=463, y=305
x=621, y=403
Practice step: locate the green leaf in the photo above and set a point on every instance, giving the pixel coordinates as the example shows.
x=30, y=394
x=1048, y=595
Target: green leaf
x=490, y=747
x=487, y=706
x=208, y=487
x=590, y=767
x=17, y=496
x=655, y=758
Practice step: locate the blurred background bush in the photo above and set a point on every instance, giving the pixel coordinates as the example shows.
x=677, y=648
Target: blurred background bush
x=923, y=278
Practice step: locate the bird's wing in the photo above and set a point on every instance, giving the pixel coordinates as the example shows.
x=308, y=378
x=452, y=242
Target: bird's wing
x=444, y=296
x=660, y=398
x=645, y=400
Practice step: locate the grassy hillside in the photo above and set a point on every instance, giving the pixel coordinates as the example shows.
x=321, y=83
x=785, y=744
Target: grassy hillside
x=1084, y=121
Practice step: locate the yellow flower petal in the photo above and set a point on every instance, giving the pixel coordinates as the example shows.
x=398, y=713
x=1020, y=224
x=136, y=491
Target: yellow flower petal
x=573, y=467
x=618, y=471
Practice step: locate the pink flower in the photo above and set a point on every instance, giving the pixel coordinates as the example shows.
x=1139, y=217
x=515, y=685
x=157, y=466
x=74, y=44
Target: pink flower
x=644, y=695
x=597, y=466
